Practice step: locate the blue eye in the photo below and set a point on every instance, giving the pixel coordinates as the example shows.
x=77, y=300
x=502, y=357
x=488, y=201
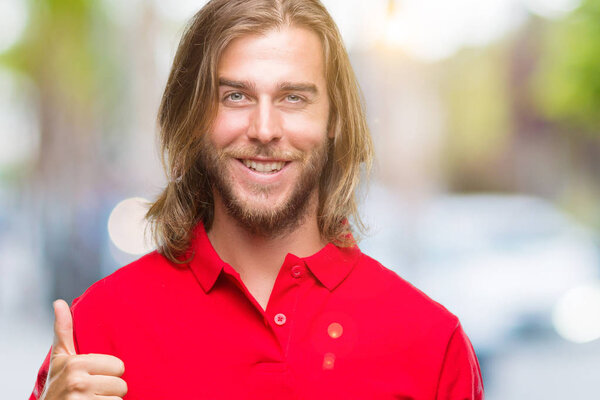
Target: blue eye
x=235, y=96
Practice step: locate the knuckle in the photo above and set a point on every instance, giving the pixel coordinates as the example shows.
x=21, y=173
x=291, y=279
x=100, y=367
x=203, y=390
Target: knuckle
x=56, y=365
x=72, y=364
x=75, y=383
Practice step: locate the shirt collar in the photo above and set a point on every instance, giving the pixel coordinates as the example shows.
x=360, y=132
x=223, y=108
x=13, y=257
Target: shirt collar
x=330, y=265
x=205, y=263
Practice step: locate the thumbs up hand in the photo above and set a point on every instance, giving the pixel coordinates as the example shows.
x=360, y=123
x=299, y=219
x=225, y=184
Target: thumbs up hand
x=81, y=376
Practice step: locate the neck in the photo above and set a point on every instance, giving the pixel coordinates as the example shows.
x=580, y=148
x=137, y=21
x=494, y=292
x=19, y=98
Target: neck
x=255, y=255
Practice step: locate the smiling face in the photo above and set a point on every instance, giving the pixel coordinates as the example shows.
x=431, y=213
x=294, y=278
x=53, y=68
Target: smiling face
x=269, y=142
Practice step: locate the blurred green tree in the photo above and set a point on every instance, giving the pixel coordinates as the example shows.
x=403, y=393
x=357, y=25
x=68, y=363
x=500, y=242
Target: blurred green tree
x=480, y=119
x=566, y=85
x=66, y=52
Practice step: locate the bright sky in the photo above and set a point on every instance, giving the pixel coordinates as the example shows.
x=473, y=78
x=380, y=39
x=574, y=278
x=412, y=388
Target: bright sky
x=425, y=29
x=13, y=16
x=435, y=29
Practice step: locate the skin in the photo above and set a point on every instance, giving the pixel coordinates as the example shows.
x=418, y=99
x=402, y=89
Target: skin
x=80, y=376
x=273, y=95
x=273, y=107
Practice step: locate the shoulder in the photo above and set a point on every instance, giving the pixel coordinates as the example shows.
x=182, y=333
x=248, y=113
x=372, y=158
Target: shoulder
x=401, y=319
x=126, y=280
x=118, y=299
x=398, y=296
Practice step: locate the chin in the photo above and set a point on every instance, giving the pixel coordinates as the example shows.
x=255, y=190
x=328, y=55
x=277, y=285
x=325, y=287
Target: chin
x=267, y=199
x=263, y=207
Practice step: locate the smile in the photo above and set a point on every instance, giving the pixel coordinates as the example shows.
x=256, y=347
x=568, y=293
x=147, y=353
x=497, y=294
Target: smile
x=267, y=167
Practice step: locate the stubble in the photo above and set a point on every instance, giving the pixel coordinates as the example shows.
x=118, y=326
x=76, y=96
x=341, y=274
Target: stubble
x=268, y=222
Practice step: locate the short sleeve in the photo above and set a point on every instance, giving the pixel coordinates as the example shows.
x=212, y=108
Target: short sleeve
x=460, y=376
x=41, y=378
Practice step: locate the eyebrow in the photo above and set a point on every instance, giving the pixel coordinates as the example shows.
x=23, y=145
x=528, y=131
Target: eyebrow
x=298, y=87
x=283, y=86
x=236, y=84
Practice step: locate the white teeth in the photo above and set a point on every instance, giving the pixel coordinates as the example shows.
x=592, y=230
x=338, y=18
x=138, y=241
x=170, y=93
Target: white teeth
x=264, y=166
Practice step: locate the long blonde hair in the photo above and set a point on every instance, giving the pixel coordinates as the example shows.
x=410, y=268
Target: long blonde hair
x=189, y=106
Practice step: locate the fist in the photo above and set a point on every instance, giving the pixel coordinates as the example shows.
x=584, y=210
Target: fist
x=80, y=376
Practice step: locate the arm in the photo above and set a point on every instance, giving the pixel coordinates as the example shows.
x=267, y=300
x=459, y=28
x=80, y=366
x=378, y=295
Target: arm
x=41, y=378
x=460, y=376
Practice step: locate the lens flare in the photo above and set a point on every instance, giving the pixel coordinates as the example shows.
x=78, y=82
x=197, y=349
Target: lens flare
x=335, y=330
x=328, y=360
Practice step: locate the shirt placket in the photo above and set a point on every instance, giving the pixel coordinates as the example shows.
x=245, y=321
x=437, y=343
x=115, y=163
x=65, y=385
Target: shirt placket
x=282, y=309
x=272, y=379
x=280, y=315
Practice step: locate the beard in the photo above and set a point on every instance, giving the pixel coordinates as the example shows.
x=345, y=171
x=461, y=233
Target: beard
x=267, y=221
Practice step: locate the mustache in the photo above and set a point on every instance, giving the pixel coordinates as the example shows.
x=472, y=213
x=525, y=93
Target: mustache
x=262, y=151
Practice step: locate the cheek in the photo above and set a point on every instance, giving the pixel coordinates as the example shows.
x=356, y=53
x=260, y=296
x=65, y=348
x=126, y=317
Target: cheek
x=228, y=126
x=306, y=133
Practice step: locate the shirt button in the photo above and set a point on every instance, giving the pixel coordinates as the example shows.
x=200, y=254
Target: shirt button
x=280, y=319
x=296, y=271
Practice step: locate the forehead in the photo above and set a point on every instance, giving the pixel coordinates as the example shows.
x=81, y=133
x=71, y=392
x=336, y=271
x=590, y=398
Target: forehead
x=288, y=53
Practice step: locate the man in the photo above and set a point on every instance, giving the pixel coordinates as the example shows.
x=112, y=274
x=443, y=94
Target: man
x=258, y=290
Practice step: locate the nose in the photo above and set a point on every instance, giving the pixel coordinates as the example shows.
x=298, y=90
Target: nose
x=266, y=122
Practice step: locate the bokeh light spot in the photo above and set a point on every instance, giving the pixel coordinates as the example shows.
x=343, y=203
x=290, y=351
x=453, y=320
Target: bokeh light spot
x=576, y=315
x=126, y=226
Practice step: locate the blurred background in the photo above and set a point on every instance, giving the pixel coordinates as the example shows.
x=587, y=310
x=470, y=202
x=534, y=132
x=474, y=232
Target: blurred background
x=485, y=193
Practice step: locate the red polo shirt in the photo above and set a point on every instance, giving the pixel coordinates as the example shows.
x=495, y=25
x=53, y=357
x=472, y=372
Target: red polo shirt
x=338, y=325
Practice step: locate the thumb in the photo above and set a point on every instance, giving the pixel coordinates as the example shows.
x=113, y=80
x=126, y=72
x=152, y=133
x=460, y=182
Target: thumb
x=63, y=329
